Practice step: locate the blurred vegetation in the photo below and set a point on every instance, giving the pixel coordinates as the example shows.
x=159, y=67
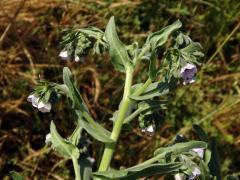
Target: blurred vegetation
x=30, y=32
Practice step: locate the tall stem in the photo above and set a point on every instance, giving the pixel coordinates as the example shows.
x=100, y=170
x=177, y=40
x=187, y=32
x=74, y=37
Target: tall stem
x=76, y=168
x=109, y=149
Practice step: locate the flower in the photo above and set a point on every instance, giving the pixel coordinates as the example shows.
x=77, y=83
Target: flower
x=33, y=99
x=64, y=55
x=195, y=173
x=149, y=130
x=44, y=107
x=48, y=138
x=188, y=73
x=199, y=151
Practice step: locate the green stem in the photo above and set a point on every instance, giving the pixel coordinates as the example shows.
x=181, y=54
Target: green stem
x=109, y=149
x=76, y=168
x=132, y=116
x=126, y=102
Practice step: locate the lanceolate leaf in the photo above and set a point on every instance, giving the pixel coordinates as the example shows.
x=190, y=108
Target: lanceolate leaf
x=73, y=93
x=159, y=38
x=118, y=53
x=96, y=131
x=155, y=89
x=85, y=120
x=153, y=70
x=152, y=105
x=63, y=146
x=140, y=171
x=180, y=147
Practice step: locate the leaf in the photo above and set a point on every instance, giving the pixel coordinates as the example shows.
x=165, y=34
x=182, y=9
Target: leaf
x=153, y=70
x=214, y=164
x=155, y=89
x=16, y=175
x=152, y=105
x=205, y=173
x=159, y=38
x=76, y=135
x=140, y=171
x=96, y=131
x=118, y=53
x=180, y=147
x=63, y=146
x=73, y=93
x=200, y=132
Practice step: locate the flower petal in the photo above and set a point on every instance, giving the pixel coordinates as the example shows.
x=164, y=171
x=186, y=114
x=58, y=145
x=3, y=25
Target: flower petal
x=44, y=107
x=35, y=100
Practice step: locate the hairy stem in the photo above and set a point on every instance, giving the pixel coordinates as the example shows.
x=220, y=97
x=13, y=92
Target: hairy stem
x=76, y=168
x=109, y=149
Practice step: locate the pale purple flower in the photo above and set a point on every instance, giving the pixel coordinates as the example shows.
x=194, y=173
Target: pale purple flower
x=195, y=173
x=33, y=99
x=44, y=107
x=149, y=130
x=48, y=139
x=199, y=151
x=188, y=73
x=64, y=55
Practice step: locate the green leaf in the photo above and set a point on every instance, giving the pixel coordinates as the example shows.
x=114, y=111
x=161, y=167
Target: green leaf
x=16, y=175
x=153, y=70
x=63, y=146
x=205, y=173
x=180, y=147
x=214, y=164
x=200, y=132
x=92, y=127
x=155, y=89
x=159, y=38
x=118, y=53
x=76, y=135
x=73, y=93
x=140, y=171
x=96, y=131
x=152, y=105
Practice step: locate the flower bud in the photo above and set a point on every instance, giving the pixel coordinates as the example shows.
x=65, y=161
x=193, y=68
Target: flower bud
x=48, y=139
x=188, y=73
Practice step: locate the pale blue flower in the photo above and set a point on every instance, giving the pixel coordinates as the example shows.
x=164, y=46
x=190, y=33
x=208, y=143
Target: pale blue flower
x=188, y=73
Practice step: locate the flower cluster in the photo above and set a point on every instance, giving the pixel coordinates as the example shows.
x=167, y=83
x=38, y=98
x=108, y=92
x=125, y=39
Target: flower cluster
x=36, y=102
